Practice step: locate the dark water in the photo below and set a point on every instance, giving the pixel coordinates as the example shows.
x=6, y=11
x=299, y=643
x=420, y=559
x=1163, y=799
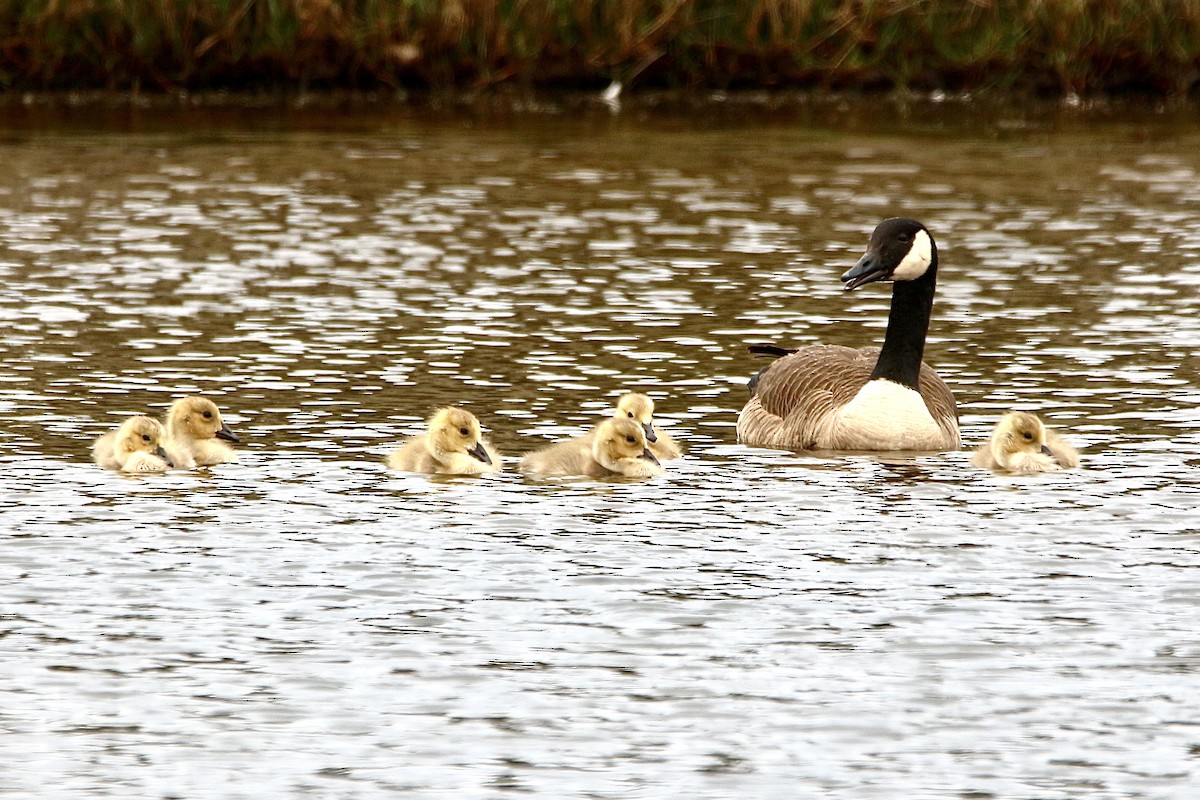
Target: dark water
x=302, y=623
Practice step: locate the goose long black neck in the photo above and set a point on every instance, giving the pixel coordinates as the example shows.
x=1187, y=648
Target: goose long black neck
x=908, y=323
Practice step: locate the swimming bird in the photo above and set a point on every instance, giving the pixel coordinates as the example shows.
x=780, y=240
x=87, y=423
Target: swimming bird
x=136, y=446
x=196, y=434
x=640, y=408
x=1021, y=444
x=616, y=447
x=454, y=445
x=829, y=397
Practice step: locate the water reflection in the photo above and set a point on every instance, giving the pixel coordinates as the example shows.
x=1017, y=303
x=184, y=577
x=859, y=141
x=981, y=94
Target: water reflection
x=754, y=619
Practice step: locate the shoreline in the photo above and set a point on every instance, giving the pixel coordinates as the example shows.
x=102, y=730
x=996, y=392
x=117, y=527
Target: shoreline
x=717, y=107
x=552, y=100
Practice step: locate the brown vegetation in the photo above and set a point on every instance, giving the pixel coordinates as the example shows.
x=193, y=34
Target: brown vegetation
x=1056, y=46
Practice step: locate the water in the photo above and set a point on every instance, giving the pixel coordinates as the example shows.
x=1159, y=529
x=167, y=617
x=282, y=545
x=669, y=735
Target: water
x=302, y=623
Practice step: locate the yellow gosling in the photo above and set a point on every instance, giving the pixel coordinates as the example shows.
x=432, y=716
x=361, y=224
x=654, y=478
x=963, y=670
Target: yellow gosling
x=640, y=408
x=196, y=434
x=136, y=446
x=453, y=446
x=1022, y=445
x=616, y=447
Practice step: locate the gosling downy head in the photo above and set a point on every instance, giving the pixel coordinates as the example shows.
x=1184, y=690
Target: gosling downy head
x=640, y=409
x=620, y=446
x=1019, y=444
x=136, y=446
x=198, y=419
x=453, y=430
x=143, y=435
x=196, y=434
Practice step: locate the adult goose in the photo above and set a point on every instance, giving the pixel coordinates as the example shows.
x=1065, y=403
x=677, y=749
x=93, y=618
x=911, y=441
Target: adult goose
x=828, y=397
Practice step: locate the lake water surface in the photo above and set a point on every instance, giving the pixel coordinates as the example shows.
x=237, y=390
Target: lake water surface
x=303, y=623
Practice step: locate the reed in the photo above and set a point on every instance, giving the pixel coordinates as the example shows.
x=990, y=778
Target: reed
x=1052, y=46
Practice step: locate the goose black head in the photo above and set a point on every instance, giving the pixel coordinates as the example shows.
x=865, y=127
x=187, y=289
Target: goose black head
x=900, y=249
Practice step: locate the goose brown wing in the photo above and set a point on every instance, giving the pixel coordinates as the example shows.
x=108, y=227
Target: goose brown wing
x=940, y=402
x=794, y=399
x=815, y=380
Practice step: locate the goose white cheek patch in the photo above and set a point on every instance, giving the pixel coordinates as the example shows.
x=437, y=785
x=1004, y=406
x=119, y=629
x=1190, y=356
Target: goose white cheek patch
x=917, y=261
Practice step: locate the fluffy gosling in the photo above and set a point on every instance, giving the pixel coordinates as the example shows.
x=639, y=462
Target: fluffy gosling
x=1022, y=445
x=196, y=434
x=616, y=447
x=640, y=408
x=454, y=445
x=136, y=446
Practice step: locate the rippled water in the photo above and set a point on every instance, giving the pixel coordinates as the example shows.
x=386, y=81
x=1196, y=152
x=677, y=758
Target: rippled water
x=302, y=623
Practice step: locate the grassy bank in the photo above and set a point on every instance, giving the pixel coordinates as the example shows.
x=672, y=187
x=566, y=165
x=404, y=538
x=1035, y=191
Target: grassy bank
x=1049, y=46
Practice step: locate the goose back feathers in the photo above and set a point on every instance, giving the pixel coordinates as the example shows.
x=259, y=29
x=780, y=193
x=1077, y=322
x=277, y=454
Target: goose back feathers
x=806, y=401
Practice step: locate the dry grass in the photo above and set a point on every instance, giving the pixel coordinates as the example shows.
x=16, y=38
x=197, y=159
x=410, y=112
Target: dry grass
x=1054, y=46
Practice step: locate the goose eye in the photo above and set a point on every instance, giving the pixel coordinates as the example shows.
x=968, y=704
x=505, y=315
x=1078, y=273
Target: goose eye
x=904, y=237
x=629, y=439
x=463, y=431
x=208, y=415
x=145, y=437
x=630, y=414
x=1028, y=436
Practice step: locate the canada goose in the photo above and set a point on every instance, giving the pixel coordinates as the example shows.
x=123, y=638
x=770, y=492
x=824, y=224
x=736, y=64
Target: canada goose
x=453, y=446
x=640, y=408
x=616, y=446
x=1022, y=445
x=136, y=446
x=828, y=397
x=194, y=426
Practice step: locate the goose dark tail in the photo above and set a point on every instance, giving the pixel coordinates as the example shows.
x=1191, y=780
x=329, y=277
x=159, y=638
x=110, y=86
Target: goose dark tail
x=771, y=351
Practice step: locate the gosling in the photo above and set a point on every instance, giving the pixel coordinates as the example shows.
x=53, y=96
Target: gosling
x=1022, y=445
x=616, y=447
x=640, y=408
x=136, y=446
x=196, y=434
x=453, y=446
